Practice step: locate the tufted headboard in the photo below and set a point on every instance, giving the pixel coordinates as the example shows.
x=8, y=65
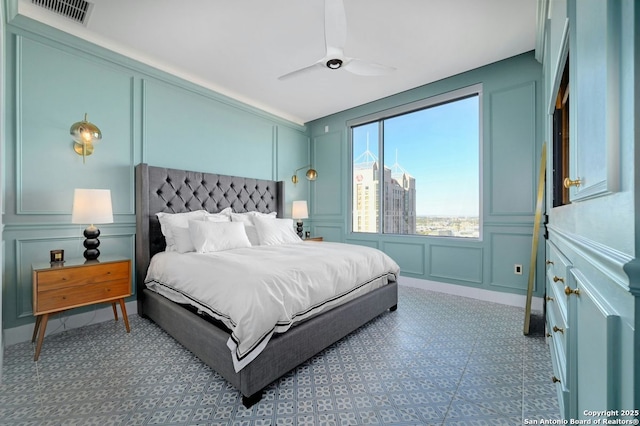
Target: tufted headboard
x=160, y=189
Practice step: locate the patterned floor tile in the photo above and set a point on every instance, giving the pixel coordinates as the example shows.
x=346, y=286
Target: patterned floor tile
x=438, y=360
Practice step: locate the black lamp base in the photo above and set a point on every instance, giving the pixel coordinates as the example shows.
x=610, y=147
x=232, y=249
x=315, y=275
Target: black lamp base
x=299, y=228
x=91, y=243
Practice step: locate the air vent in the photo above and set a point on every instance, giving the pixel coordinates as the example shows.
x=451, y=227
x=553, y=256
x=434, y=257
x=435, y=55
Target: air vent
x=76, y=10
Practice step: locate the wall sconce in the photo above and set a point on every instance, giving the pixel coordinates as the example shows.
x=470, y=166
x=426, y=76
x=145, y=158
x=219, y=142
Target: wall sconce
x=311, y=174
x=92, y=206
x=84, y=135
x=299, y=211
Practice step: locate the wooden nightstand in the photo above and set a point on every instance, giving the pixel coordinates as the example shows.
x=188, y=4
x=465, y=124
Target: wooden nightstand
x=314, y=239
x=78, y=283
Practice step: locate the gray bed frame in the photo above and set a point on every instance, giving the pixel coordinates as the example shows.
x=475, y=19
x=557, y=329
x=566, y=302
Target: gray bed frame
x=174, y=191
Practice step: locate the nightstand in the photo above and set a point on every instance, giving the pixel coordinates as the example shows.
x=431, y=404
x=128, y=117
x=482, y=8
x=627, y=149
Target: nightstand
x=313, y=239
x=75, y=283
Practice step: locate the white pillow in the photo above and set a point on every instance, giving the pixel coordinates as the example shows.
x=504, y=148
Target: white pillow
x=275, y=231
x=217, y=218
x=221, y=214
x=250, y=229
x=169, y=221
x=210, y=236
x=182, y=236
x=182, y=240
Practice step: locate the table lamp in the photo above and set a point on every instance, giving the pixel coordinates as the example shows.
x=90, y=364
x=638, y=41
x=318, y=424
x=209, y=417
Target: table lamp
x=92, y=206
x=299, y=211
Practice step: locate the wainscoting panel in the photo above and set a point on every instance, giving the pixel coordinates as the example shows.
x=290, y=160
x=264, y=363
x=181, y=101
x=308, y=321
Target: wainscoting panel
x=456, y=263
x=507, y=250
x=410, y=256
x=328, y=232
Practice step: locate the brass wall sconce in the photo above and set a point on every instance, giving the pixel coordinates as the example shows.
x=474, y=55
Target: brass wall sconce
x=311, y=174
x=84, y=135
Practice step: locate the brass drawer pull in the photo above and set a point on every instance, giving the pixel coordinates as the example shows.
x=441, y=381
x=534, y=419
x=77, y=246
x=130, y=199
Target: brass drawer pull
x=556, y=279
x=568, y=183
x=548, y=334
x=549, y=262
x=568, y=291
x=550, y=299
x=556, y=329
x=554, y=379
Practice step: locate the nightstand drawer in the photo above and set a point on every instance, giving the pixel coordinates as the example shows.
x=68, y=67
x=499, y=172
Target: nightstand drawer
x=82, y=294
x=69, y=277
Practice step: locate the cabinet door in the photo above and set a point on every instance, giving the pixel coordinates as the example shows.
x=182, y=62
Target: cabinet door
x=597, y=350
x=595, y=91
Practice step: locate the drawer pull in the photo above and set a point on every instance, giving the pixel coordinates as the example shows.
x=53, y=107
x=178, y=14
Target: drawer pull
x=568, y=183
x=549, y=262
x=548, y=334
x=569, y=291
x=558, y=329
x=556, y=279
x=554, y=379
x=550, y=299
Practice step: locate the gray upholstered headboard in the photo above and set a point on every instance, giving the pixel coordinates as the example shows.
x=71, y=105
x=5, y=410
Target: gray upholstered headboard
x=159, y=189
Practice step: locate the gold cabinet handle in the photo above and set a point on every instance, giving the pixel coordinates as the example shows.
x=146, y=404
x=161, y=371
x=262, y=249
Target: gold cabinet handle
x=556, y=279
x=568, y=183
x=569, y=291
x=558, y=329
x=554, y=379
x=549, y=262
x=550, y=299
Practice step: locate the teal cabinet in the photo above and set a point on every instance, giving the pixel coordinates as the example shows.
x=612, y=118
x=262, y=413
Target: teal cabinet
x=590, y=290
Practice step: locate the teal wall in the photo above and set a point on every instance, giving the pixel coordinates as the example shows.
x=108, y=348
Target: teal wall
x=145, y=116
x=512, y=131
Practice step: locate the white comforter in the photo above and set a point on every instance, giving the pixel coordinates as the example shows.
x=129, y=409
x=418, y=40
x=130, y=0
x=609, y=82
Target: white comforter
x=263, y=290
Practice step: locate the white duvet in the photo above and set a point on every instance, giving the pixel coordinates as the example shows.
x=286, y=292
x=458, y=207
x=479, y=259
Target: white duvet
x=262, y=290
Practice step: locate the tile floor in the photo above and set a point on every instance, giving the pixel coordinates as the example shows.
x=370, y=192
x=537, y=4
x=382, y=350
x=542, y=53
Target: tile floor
x=438, y=360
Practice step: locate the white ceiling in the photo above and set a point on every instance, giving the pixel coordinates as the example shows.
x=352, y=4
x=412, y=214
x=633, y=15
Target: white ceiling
x=240, y=48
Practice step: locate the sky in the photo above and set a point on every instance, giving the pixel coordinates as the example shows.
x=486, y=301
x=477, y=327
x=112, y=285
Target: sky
x=438, y=146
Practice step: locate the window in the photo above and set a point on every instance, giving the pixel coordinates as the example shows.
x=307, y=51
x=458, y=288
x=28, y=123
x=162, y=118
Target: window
x=430, y=181
x=561, y=141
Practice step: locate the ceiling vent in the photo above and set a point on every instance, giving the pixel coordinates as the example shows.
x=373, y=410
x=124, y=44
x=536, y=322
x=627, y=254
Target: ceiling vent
x=76, y=10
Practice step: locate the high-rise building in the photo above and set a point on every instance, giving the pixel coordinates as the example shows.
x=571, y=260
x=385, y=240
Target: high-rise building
x=399, y=192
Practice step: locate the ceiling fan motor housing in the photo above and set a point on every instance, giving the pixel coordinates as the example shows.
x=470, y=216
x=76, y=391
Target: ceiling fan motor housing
x=334, y=64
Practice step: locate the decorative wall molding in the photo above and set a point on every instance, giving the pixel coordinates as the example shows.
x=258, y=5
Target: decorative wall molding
x=451, y=272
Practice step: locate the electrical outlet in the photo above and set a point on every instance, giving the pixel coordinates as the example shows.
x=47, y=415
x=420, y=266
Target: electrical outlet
x=517, y=269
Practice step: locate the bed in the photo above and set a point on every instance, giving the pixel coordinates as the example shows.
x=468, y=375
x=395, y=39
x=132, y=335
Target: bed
x=178, y=191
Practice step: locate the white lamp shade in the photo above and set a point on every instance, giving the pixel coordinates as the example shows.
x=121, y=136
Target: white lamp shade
x=91, y=206
x=299, y=210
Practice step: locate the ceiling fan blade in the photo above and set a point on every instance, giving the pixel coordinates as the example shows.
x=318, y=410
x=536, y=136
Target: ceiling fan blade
x=303, y=71
x=335, y=25
x=360, y=67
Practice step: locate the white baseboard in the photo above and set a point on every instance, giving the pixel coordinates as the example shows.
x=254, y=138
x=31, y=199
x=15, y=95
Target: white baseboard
x=474, y=293
x=63, y=321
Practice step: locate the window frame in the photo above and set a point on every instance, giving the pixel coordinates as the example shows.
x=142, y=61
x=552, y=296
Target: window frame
x=379, y=117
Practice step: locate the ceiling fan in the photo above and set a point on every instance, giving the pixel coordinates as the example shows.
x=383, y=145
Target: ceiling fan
x=335, y=36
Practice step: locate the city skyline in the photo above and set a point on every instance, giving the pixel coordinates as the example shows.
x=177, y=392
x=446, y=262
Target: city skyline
x=446, y=173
